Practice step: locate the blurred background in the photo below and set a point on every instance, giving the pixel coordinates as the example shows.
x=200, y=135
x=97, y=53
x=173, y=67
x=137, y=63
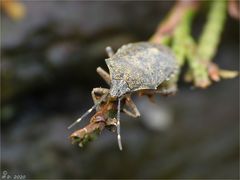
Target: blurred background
x=48, y=69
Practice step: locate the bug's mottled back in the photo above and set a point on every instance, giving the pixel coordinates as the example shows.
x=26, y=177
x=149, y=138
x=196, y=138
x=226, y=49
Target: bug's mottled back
x=142, y=65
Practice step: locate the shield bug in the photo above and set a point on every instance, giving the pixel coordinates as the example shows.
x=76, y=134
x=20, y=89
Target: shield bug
x=136, y=67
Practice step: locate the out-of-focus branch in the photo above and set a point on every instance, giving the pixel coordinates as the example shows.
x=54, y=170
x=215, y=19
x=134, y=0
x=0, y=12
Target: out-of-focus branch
x=182, y=42
x=234, y=9
x=13, y=8
x=166, y=29
x=208, y=43
x=175, y=31
x=202, y=68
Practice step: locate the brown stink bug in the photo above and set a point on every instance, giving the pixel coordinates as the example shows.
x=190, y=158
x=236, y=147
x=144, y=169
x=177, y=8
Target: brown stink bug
x=137, y=67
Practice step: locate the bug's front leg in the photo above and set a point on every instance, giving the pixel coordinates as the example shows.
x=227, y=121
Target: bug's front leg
x=134, y=112
x=97, y=93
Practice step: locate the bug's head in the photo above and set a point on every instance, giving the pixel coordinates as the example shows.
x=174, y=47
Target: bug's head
x=118, y=88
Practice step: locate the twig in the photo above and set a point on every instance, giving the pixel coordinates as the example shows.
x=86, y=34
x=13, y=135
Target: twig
x=103, y=118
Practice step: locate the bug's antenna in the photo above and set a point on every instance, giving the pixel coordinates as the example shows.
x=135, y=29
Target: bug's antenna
x=118, y=125
x=88, y=111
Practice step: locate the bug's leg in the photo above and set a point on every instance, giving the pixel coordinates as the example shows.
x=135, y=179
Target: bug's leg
x=98, y=93
x=118, y=125
x=109, y=51
x=104, y=75
x=103, y=97
x=152, y=98
x=149, y=94
x=134, y=112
